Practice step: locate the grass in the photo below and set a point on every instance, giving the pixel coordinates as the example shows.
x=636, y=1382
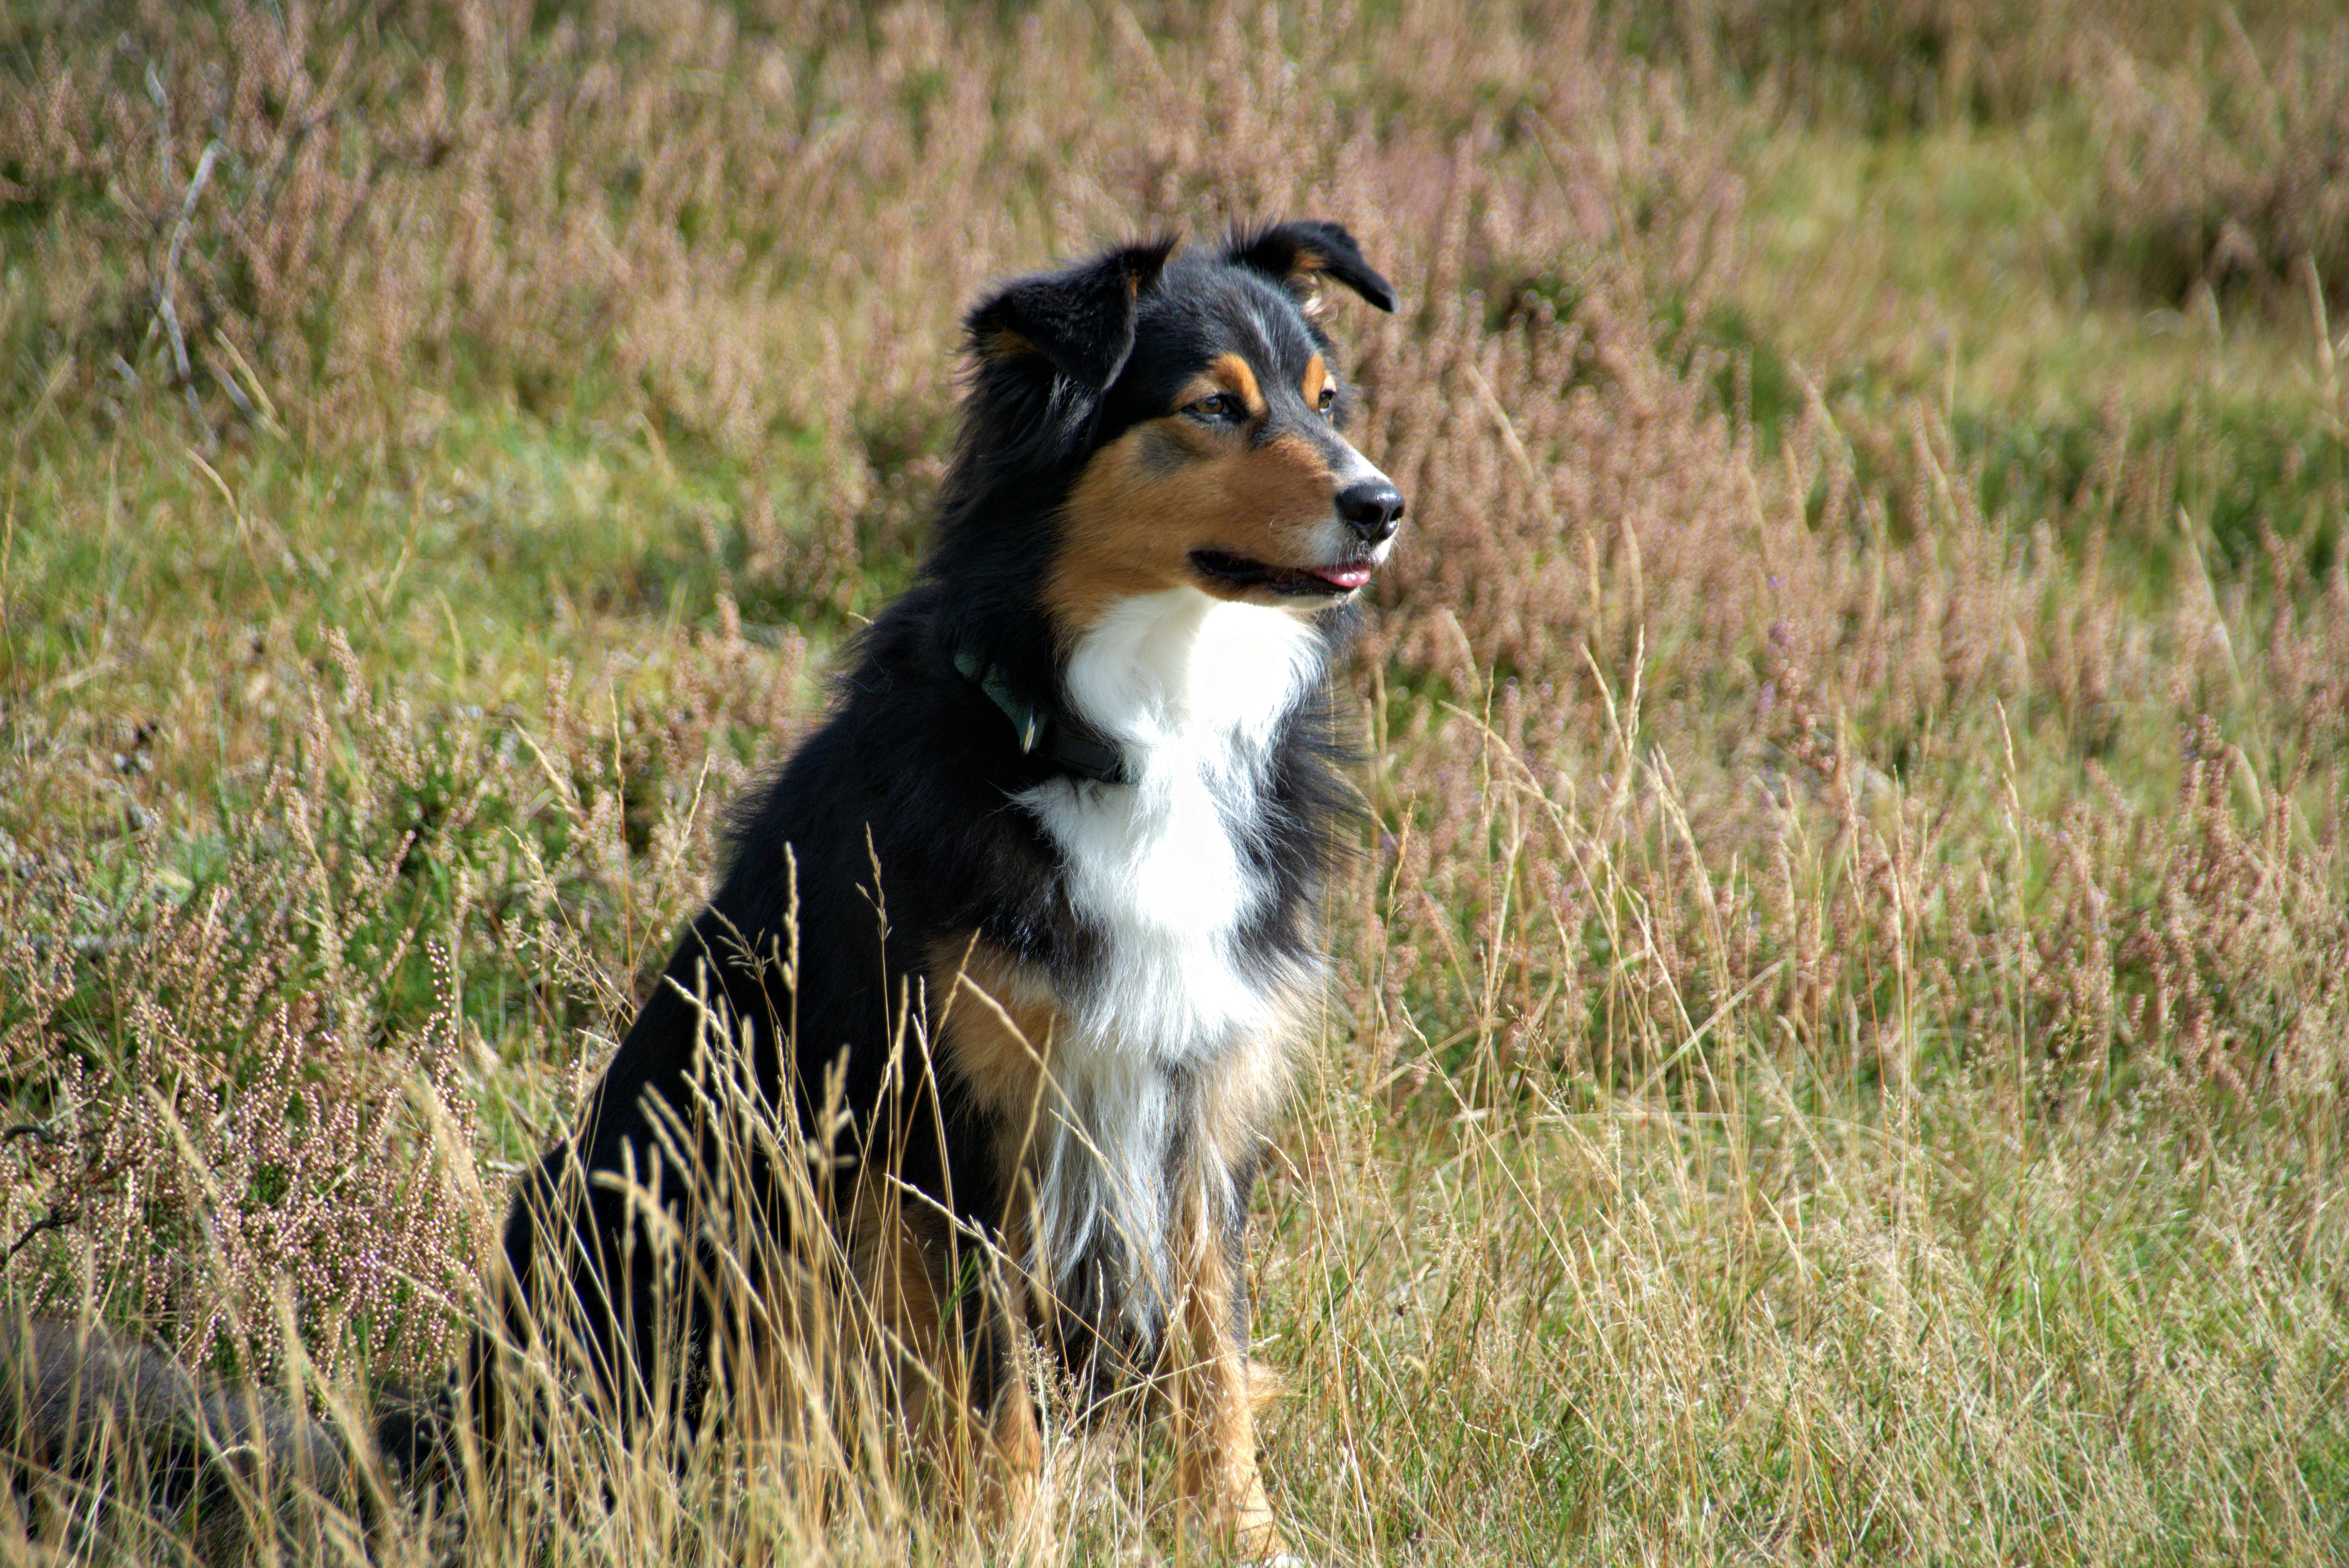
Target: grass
x=1837, y=1035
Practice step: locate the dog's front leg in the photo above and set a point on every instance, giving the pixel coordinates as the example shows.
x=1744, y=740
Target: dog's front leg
x=1015, y=1436
x=958, y=1374
x=1207, y=1387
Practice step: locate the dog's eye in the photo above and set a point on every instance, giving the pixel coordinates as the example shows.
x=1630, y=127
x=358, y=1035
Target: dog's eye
x=1328, y=401
x=1223, y=409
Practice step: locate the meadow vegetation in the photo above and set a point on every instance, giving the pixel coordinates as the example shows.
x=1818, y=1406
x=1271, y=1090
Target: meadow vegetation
x=1839, y=1023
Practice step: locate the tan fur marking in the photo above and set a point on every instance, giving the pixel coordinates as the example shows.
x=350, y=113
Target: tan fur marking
x=1172, y=486
x=1233, y=373
x=997, y=1025
x=1010, y=1489
x=895, y=1253
x=1001, y=343
x=1230, y=374
x=996, y=1035
x=1317, y=376
x=898, y=1249
x=1213, y=1390
x=1208, y=1392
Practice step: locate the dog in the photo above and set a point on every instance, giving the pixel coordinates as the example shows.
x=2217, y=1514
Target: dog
x=994, y=1002
x=1034, y=916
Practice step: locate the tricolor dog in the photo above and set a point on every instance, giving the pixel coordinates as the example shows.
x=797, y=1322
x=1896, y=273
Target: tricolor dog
x=1024, y=934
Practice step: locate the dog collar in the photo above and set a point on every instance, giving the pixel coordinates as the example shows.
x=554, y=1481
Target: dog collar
x=1059, y=738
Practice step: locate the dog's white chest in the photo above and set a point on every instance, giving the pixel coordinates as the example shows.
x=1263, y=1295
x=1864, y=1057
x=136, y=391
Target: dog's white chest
x=1193, y=690
x=1155, y=871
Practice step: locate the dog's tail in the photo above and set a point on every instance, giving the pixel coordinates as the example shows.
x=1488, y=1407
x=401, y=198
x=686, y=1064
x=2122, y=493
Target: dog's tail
x=124, y=1433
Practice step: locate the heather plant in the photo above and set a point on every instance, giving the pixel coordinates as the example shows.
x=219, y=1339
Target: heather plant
x=1839, y=1028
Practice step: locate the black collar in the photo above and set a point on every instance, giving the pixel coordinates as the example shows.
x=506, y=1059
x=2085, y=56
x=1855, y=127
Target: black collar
x=1058, y=737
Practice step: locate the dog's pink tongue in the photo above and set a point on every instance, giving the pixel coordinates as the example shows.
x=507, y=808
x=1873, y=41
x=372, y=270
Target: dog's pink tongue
x=1343, y=576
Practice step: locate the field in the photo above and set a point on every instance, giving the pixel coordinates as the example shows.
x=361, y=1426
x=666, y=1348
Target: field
x=1842, y=1012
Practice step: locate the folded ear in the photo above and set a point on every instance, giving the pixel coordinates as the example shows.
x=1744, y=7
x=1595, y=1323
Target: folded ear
x=1293, y=253
x=1079, y=320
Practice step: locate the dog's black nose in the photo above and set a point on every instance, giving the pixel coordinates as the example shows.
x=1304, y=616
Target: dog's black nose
x=1372, y=509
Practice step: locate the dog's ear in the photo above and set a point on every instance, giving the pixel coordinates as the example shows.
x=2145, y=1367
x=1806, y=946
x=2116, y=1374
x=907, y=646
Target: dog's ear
x=1294, y=253
x=1079, y=320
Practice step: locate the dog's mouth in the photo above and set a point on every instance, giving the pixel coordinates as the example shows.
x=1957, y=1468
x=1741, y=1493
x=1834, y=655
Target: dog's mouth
x=1295, y=582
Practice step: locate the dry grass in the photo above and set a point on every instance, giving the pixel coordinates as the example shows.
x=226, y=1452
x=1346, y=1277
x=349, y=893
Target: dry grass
x=1839, y=1035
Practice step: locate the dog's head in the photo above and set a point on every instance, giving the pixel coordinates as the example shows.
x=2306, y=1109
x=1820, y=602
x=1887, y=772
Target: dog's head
x=1187, y=411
